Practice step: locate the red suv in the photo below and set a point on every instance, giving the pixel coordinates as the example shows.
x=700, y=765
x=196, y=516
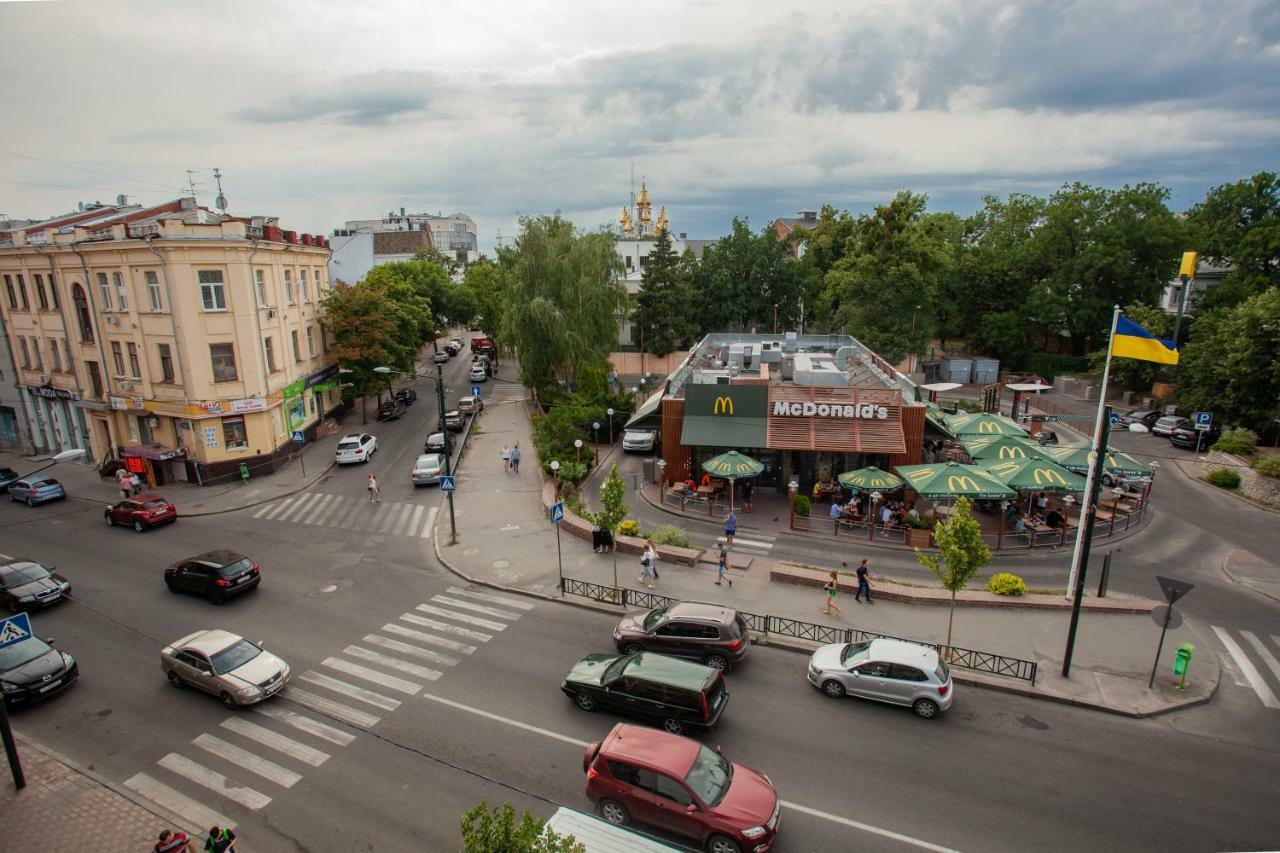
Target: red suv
x=681, y=786
x=141, y=512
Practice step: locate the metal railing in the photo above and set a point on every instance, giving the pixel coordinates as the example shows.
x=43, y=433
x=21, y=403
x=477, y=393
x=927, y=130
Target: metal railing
x=764, y=624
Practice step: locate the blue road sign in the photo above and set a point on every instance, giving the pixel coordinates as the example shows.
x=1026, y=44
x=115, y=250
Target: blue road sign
x=1204, y=420
x=557, y=512
x=1115, y=419
x=448, y=484
x=15, y=629
x=299, y=437
x=475, y=390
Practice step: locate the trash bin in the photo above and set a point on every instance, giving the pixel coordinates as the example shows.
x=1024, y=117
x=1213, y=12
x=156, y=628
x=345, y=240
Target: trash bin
x=1181, y=662
x=659, y=470
x=649, y=468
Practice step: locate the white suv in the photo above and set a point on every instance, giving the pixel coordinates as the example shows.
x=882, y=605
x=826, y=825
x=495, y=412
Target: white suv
x=638, y=439
x=356, y=448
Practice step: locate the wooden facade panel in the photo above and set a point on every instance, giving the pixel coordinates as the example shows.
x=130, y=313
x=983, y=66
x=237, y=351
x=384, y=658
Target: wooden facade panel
x=676, y=454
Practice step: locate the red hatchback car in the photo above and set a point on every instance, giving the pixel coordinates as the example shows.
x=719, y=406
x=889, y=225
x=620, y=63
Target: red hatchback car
x=141, y=512
x=679, y=785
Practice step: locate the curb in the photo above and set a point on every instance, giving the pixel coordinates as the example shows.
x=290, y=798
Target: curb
x=1226, y=561
x=317, y=478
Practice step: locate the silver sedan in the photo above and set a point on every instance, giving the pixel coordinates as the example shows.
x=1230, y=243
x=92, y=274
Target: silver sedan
x=894, y=671
x=237, y=671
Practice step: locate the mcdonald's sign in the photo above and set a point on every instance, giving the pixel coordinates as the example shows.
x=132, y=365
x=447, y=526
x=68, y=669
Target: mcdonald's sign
x=715, y=401
x=722, y=406
x=991, y=428
x=1048, y=477
x=958, y=482
x=1011, y=453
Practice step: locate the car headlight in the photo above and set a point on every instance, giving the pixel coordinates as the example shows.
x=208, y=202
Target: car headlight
x=27, y=598
x=251, y=690
x=67, y=660
x=753, y=832
x=9, y=688
x=284, y=671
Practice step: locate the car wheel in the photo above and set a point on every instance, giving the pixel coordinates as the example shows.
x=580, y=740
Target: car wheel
x=585, y=701
x=632, y=649
x=719, y=662
x=111, y=522
x=138, y=526
x=833, y=688
x=228, y=700
x=613, y=812
x=925, y=708
x=720, y=844
x=175, y=680
x=673, y=725
x=30, y=502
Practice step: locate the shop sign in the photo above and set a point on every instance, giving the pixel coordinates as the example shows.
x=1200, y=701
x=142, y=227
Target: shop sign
x=210, y=434
x=324, y=387
x=295, y=389
x=49, y=391
x=213, y=407
x=119, y=403
x=182, y=410
x=848, y=411
x=135, y=464
x=321, y=375
x=248, y=404
x=726, y=401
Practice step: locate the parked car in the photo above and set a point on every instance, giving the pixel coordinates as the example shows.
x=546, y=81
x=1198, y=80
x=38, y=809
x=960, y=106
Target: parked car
x=427, y=469
x=479, y=373
x=893, y=671
x=456, y=341
x=1181, y=436
x=673, y=693
x=441, y=357
x=1146, y=417
x=435, y=443
x=471, y=405
x=26, y=585
x=36, y=489
x=453, y=348
x=8, y=477
x=481, y=342
x=454, y=421
x=216, y=575
x=390, y=410
x=1046, y=437
x=356, y=447
x=32, y=669
x=141, y=512
x=708, y=633
x=637, y=440
x=406, y=396
x=1169, y=423
x=1112, y=479
x=226, y=665
x=677, y=784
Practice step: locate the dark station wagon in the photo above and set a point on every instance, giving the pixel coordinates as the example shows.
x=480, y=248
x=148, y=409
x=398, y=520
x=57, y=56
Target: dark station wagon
x=673, y=693
x=216, y=575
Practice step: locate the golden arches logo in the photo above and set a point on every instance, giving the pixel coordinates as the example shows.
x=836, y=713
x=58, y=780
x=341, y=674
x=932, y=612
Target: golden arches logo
x=1047, y=477
x=991, y=427
x=957, y=482
x=1012, y=453
x=722, y=406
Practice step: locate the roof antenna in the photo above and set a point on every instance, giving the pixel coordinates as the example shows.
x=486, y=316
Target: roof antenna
x=221, y=201
x=191, y=183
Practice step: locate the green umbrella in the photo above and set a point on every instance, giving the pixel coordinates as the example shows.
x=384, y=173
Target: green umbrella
x=1079, y=458
x=870, y=479
x=982, y=423
x=1035, y=474
x=1001, y=448
x=953, y=480
x=732, y=466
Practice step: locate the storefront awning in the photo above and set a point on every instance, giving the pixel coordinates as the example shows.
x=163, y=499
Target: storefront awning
x=649, y=415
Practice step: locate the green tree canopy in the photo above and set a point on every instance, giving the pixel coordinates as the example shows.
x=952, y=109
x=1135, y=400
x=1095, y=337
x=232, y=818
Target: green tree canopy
x=660, y=314
x=745, y=280
x=371, y=324
x=962, y=553
x=485, y=281
x=496, y=831
x=1238, y=224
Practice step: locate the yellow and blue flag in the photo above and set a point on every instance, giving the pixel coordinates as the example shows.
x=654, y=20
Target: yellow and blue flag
x=1133, y=341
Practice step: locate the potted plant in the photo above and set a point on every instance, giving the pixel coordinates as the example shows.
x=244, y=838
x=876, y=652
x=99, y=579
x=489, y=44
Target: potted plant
x=919, y=534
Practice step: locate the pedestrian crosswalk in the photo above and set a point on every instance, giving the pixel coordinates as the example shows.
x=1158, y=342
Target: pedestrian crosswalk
x=394, y=518
x=256, y=755
x=755, y=544
x=1253, y=658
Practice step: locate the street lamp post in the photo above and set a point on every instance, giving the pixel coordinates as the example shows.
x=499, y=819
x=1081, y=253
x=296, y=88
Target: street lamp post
x=595, y=440
x=577, y=445
x=609, y=412
x=555, y=476
x=62, y=456
x=448, y=449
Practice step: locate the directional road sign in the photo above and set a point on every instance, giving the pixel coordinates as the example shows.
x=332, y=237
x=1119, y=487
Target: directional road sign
x=1115, y=419
x=557, y=512
x=1204, y=420
x=299, y=437
x=15, y=629
x=448, y=484
x=475, y=390
x=1173, y=589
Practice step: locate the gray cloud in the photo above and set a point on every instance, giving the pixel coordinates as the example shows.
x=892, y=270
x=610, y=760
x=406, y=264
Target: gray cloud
x=364, y=100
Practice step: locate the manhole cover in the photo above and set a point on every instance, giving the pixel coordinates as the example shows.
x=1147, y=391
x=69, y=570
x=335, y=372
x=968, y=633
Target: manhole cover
x=501, y=564
x=470, y=552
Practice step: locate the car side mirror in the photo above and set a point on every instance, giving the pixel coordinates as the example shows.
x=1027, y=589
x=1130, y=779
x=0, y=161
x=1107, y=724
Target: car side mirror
x=692, y=809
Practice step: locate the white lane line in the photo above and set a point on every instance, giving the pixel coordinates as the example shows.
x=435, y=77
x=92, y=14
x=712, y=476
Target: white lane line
x=470, y=620
x=216, y=782
x=269, y=770
x=414, y=619
x=431, y=523
x=278, y=742
x=406, y=648
x=1263, y=652
x=1247, y=668
x=417, y=517
x=492, y=599
x=430, y=639
x=372, y=675
x=402, y=524
x=273, y=509
x=321, y=508
x=306, y=724
x=748, y=543
x=337, y=710
x=392, y=662
x=498, y=718
x=196, y=814
x=377, y=700
x=478, y=608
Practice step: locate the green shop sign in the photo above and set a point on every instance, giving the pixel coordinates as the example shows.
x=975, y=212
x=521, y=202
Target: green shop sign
x=725, y=415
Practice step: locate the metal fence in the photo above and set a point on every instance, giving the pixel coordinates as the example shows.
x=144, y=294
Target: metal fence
x=972, y=659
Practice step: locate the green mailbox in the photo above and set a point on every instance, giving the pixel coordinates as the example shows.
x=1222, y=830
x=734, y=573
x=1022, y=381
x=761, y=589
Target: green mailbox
x=1181, y=661
x=244, y=472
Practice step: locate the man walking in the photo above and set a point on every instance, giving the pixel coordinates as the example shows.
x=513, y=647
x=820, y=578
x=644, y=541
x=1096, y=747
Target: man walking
x=220, y=840
x=722, y=565
x=730, y=527
x=863, y=585
x=515, y=458
x=375, y=494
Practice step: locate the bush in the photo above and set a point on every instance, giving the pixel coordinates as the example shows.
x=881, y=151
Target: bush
x=803, y=506
x=1241, y=442
x=629, y=527
x=1049, y=364
x=669, y=534
x=573, y=502
x=1223, y=478
x=1268, y=466
x=1004, y=583
x=924, y=522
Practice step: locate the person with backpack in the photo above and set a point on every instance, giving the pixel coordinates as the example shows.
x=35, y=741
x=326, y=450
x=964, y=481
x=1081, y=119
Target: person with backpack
x=173, y=842
x=220, y=840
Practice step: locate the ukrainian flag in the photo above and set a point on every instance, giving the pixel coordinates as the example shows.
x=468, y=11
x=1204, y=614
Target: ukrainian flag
x=1133, y=341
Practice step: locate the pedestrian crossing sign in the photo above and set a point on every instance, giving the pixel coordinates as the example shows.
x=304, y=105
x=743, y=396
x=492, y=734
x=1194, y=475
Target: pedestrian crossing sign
x=557, y=512
x=14, y=630
x=299, y=437
x=448, y=484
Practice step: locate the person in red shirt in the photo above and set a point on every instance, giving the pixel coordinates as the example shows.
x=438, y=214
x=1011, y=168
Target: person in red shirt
x=173, y=842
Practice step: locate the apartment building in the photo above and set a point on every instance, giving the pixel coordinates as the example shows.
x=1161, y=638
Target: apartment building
x=183, y=340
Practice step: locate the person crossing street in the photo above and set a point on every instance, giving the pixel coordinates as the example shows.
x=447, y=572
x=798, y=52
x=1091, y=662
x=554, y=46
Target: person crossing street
x=375, y=493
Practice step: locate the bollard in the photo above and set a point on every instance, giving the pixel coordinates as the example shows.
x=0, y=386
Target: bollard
x=1181, y=662
x=1106, y=575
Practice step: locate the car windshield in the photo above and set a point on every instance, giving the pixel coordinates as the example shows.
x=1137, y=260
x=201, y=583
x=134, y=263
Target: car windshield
x=614, y=671
x=855, y=653
x=230, y=570
x=20, y=653
x=154, y=505
x=235, y=656
x=24, y=575
x=943, y=672
x=40, y=483
x=654, y=617
x=710, y=776
x=349, y=444
x=430, y=460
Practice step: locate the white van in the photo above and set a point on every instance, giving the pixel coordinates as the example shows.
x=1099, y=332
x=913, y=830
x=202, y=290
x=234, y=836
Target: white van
x=600, y=837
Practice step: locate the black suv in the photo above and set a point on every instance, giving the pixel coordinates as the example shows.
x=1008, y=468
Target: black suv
x=1146, y=417
x=674, y=693
x=708, y=633
x=215, y=575
x=1188, y=436
x=389, y=410
x=406, y=396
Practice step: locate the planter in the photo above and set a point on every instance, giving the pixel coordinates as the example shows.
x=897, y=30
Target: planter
x=919, y=538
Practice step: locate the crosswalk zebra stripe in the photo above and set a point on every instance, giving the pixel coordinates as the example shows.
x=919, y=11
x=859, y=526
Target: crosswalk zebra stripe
x=280, y=743
x=335, y=510
x=392, y=662
x=321, y=507
x=377, y=700
x=425, y=654
x=749, y=543
x=297, y=510
x=492, y=599
x=389, y=681
x=269, y=770
x=462, y=617
x=196, y=814
x=270, y=511
x=478, y=608
x=430, y=639
x=1263, y=652
x=337, y=710
x=417, y=517
x=1247, y=668
x=402, y=523
x=431, y=523
x=414, y=619
x=388, y=518
x=308, y=725
x=216, y=782
x=265, y=509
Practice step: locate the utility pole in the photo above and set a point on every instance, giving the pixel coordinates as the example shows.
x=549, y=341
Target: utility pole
x=448, y=450
x=1086, y=534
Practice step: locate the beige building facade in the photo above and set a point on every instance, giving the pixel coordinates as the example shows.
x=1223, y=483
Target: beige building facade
x=184, y=341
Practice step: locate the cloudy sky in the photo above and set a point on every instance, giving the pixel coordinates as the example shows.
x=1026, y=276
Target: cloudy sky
x=322, y=111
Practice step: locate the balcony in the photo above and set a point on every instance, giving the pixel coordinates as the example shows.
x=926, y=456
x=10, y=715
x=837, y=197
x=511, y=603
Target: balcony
x=142, y=232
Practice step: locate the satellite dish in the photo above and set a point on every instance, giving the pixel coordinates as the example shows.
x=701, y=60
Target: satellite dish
x=1135, y=427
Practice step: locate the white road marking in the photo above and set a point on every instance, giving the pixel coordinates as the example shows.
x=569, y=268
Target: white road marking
x=470, y=620
x=508, y=528
x=215, y=782
x=337, y=710
x=1263, y=652
x=335, y=506
x=308, y=725
x=282, y=776
x=448, y=629
x=1248, y=669
x=406, y=515
x=372, y=675
x=264, y=510
x=392, y=663
x=406, y=648
x=196, y=814
x=749, y=543
x=388, y=518
x=270, y=511
x=498, y=718
x=493, y=599
x=320, y=509
x=430, y=526
x=430, y=639
x=299, y=508
x=377, y=700
x=417, y=518
x=467, y=605
x=278, y=742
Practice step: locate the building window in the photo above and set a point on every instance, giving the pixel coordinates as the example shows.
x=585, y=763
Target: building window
x=82, y=314
x=117, y=355
x=13, y=296
x=104, y=287
x=260, y=282
x=268, y=344
x=95, y=377
x=41, y=296
x=324, y=340
x=628, y=257
x=297, y=351
x=135, y=370
x=35, y=353
x=234, y=435
x=303, y=286
x=121, y=291
x=288, y=286
x=22, y=293
x=311, y=341
x=166, y=363
x=224, y=362
x=315, y=275
x=153, y=290
x=213, y=293
x=53, y=293
x=55, y=360
x=26, y=354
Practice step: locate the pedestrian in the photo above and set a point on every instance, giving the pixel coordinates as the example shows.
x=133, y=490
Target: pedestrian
x=375, y=494
x=136, y=483
x=506, y=458
x=1042, y=503
x=220, y=840
x=747, y=489
x=722, y=565
x=173, y=842
x=730, y=527
x=515, y=458
x=886, y=515
x=831, y=587
x=863, y=585
x=125, y=481
x=649, y=565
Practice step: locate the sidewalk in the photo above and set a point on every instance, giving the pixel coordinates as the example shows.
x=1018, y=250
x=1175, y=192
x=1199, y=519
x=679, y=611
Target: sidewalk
x=505, y=540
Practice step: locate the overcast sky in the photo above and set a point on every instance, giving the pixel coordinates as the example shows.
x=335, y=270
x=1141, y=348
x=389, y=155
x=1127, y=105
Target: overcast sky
x=320, y=112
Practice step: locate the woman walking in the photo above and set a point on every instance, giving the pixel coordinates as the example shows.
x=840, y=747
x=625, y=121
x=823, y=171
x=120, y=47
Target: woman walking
x=649, y=566
x=722, y=565
x=832, y=587
x=506, y=458
x=375, y=493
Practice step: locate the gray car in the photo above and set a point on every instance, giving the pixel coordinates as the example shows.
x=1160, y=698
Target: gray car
x=893, y=671
x=226, y=665
x=36, y=490
x=427, y=469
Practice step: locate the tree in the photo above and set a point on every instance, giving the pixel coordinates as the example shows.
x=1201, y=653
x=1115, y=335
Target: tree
x=484, y=280
x=962, y=553
x=745, y=281
x=1238, y=225
x=496, y=831
x=613, y=494
x=418, y=287
x=368, y=327
x=660, y=316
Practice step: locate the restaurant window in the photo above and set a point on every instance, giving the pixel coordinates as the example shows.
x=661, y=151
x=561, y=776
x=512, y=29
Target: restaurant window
x=288, y=286
x=22, y=293
x=260, y=285
x=153, y=290
x=13, y=295
x=104, y=287
x=213, y=292
x=234, y=435
x=166, y=363
x=117, y=355
x=311, y=341
x=224, y=362
x=26, y=353
x=135, y=370
x=41, y=296
x=269, y=347
x=95, y=377
x=121, y=291
x=82, y=314
x=297, y=351
x=303, y=286
x=55, y=360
